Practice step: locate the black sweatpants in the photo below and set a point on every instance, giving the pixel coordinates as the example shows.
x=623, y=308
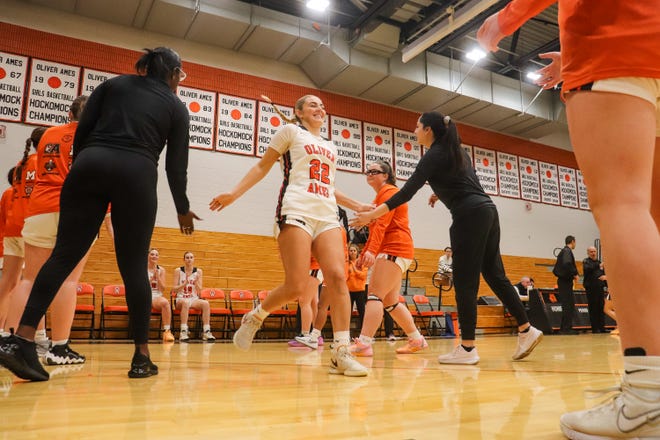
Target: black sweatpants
x=99, y=177
x=475, y=240
x=567, y=299
x=596, y=304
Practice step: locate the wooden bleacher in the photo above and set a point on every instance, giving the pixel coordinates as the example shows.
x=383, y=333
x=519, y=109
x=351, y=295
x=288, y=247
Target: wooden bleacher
x=241, y=261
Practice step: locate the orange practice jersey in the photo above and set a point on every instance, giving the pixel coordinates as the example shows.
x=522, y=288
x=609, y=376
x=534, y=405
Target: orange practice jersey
x=599, y=39
x=5, y=206
x=390, y=233
x=54, y=156
x=23, y=188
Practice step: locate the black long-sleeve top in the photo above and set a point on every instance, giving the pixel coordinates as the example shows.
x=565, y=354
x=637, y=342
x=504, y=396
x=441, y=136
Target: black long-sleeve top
x=565, y=265
x=139, y=114
x=592, y=272
x=459, y=191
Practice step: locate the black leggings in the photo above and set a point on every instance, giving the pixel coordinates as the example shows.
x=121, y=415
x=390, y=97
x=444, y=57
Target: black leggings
x=475, y=240
x=99, y=177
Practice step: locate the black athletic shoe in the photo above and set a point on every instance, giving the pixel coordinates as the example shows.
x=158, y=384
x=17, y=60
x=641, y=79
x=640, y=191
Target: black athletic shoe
x=20, y=357
x=141, y=366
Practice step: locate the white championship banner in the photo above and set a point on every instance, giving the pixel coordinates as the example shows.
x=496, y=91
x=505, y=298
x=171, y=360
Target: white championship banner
x=530, y=187
x=347, y=136
x=235, y=124
x=549, y=183
x=201, y=111
x=93, y=78
x=13, y=73
x=486, y=169
x=53, y=86
x=407, y=153
x=377, y=143
x=269, y=123
x=568, y=187
x=508, y=175
x=583, y=201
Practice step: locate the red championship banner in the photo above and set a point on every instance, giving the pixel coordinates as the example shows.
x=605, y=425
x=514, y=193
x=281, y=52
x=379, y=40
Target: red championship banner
x=13, y=73
x=486, y=169
x=468, y=150
x=377, y=143
x=549, y=183
x=53, y=86
x=583, y=201
x=568, y=191
x=235, y=123
x=508, y=175
x=201, y=111
x=269, y=123
x=407, y=153
x=347, y=136
x=93, y=78
x=530, y=186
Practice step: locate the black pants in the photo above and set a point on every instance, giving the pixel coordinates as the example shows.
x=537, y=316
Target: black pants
x=596, y=303
x=475, y=240
x=360, y=300
x=567, y=299
x=389, y=323
x=99, y=177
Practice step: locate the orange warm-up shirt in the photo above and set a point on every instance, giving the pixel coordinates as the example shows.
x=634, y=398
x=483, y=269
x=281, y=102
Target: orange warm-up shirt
x=54, y=156
x=390, y=234
x=5, y=206
x=23, y=187
x=600, y=38
x=357, y=278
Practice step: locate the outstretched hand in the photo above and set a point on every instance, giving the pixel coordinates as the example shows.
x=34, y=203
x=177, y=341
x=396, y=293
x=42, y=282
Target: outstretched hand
x=221, y=201
x=489, y=34
x=550, y=74
x=186, y=225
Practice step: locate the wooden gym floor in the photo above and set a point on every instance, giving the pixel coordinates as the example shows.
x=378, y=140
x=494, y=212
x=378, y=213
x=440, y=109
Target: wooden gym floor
x=215, y=391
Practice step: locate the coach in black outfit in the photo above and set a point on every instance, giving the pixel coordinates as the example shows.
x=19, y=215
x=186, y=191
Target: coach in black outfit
x=474, y=233
x=594, y=284
x=566, y=271
x=121, y=134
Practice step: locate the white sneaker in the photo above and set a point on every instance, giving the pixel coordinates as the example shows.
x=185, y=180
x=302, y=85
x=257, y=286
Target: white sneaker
x=208, y=336
x=183, y=336
x=309, y=341
x=633, y=413
x=243, y=337
x=526, y=343
x=460, y=356
x=343, y=362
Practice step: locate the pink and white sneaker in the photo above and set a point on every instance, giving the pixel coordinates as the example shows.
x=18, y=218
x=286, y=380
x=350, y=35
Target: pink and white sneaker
x=360, y=349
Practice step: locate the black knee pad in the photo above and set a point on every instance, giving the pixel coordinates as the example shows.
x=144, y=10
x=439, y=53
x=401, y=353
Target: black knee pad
x=389, y=309
x=373, y=298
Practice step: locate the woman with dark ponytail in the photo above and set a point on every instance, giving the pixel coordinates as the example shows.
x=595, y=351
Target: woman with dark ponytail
x=119, y=139
x=474, y=233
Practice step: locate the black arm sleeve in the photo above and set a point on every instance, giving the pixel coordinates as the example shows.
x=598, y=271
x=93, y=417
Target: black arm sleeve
x=176, y=161
x=90, y=114
x=414, y=183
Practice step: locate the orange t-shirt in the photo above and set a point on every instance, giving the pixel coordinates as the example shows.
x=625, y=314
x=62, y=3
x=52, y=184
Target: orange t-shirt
x=390, y=233
x=599, y=39
x=22, y=190
x=54, y=156
x=5, y=206
x=357, y=278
